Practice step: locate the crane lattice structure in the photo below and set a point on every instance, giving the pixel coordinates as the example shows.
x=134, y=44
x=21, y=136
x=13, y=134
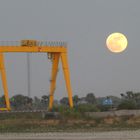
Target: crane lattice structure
x=55, y=51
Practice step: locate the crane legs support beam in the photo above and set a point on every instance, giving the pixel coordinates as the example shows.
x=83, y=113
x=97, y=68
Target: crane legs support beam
x=4, y=83
x=66, y=72
x=55, y=62
x=66, y=75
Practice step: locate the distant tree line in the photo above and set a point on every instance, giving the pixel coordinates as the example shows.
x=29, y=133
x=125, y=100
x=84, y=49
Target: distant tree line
x=128, y=100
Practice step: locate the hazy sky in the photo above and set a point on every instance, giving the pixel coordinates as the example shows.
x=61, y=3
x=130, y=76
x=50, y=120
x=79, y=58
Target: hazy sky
x=85, y=25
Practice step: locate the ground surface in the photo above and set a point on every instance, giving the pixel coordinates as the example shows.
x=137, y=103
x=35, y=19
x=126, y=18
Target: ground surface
x=112, y=135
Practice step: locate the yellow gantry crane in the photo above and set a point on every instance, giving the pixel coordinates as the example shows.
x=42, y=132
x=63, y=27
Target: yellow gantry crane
x=55, y=51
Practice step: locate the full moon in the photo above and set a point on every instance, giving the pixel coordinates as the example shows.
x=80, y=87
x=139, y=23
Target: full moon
x=116, y=42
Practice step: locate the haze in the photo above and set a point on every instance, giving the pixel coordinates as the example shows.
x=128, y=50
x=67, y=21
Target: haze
x=84, y=25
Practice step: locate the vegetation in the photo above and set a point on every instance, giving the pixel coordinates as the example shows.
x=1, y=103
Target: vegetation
x=70, y=119
x=130, y=100
x=89, y=103
x=127, y=104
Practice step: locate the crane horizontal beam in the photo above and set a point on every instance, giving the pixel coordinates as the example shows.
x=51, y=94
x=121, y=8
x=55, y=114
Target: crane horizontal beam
x=52, y=49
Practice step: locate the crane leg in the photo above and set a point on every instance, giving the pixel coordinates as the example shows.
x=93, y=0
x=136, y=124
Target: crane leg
x=4, y=83
x=55, y=63
x=65, y=66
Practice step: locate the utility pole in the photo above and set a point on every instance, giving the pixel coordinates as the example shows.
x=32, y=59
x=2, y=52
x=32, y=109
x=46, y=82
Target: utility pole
x=28, y=76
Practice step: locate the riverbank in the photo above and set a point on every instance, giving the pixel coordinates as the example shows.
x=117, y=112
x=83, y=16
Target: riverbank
x=33, y=122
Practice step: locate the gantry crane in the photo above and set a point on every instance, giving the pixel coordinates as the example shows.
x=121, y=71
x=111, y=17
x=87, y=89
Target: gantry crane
x=55, y=51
